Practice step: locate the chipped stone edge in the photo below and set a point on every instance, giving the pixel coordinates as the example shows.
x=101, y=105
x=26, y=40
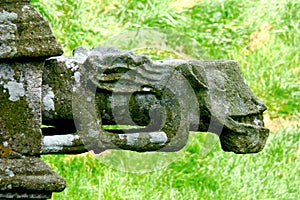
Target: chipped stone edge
x=56, y=143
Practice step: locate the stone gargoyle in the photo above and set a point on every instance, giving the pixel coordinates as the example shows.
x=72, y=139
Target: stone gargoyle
x=160, y=100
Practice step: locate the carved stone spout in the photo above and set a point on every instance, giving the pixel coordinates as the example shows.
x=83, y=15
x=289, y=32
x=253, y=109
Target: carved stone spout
x=165, y=99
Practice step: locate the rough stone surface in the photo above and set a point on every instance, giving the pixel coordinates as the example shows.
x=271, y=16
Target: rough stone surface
x=72, y=144
x=62, y=144
x=24, y=33
x=59, y=75
x=134, y=90
x=28, y=178
x=20, y=118
x=25, y=41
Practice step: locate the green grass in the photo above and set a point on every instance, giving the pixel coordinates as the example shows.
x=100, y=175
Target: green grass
x=263, y=36
x=208, y=30
x=271, y=174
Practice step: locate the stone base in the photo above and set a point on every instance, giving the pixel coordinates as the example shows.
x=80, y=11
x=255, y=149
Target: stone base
x=28, y=178
x=16, y=195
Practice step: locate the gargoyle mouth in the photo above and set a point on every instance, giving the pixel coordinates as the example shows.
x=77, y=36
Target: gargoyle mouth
x=244, y=134
x=252, y=119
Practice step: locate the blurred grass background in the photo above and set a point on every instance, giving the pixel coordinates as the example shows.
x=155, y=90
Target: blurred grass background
x=263, y=36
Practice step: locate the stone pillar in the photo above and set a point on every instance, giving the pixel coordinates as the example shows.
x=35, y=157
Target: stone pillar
x=25, y=42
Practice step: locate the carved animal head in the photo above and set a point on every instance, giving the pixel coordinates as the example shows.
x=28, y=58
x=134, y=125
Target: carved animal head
x=210, y=96
x=168, y=98
x=236, y=114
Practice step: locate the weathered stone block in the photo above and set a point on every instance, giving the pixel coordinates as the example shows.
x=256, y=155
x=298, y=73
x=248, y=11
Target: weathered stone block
x=20, y=99
x=24, y=33
x=168, y=96
x=25, y=41
x=19, y=178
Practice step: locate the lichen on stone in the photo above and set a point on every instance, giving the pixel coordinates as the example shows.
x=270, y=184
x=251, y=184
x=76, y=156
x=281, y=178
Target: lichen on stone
x=48, y=95
x=16, y=90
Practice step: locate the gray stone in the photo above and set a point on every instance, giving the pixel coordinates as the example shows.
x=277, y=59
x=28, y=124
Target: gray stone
x=28, y=178
x=24, y=33
x=172, y=96
x=25, y=41
x=62, y=144
x=20, y=118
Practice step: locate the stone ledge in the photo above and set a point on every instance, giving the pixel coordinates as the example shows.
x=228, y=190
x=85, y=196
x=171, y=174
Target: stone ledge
x=30, y=175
